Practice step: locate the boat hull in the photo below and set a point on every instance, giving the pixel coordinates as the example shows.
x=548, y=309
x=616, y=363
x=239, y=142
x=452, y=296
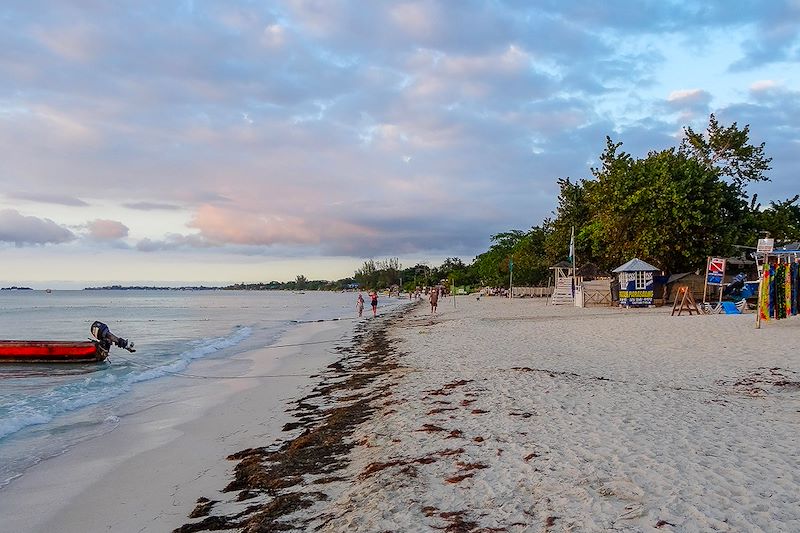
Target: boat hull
x=51, y=352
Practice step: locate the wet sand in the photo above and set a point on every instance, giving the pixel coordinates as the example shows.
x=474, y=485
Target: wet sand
x=147, y=474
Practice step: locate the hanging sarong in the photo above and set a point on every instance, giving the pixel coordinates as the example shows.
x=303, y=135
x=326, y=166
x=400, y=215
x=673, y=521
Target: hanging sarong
x=780, y=291
x=763, y=302
x=771, y=290
x=787, y=310
x=795, y=281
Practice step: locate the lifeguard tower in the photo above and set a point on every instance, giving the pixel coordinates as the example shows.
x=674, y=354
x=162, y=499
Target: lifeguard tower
x=564, y=292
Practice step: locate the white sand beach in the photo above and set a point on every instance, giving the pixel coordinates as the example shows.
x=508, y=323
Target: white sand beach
x=495, y=415
x=517, y=416
x=147, y=474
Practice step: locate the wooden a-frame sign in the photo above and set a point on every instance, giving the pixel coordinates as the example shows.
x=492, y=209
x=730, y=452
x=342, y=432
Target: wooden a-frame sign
x=684, y=301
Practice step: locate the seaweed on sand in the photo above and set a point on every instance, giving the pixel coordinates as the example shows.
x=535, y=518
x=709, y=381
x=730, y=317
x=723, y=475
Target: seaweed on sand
x=320, y=450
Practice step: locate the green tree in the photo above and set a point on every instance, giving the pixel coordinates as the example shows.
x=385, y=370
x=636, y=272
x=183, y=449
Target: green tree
x=492, y=265
x=728, y=152
x=781, y=220
x=531, y=264
x=669, y=208
x=573, y=211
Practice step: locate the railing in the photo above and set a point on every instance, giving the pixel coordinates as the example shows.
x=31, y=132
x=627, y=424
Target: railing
x=533, y=292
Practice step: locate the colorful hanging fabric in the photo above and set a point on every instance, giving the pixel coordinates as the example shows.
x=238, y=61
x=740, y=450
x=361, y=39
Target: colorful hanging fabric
x=771, y=290
x=763, y=303
x=787, y=312
x=780, y=291
x=784, y=301
x=795, y=274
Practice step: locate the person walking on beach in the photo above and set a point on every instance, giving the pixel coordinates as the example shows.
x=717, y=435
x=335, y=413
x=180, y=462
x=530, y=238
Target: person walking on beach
x=360, y=305
x=434, y=298
x=374, y=296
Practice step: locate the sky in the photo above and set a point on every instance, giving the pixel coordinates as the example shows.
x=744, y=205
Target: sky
x=216, y=142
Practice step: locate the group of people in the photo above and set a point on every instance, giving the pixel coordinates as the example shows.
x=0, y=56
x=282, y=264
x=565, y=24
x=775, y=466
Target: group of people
x=433, y=298
x=374, y=302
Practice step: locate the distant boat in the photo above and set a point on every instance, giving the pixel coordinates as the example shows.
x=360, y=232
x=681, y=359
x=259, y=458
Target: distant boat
x=48, y=291
x=64, y=351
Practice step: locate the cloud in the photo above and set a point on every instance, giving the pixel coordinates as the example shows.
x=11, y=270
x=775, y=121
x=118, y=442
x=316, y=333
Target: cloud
x=47, y=198
x=174, y=241
x=773, y=36
x=342, y=127
x=688, y=98
x=235, y=227
x=106, y=230
x=151, y=206
x=690, y=103
x=761, y=86
x=23, y=230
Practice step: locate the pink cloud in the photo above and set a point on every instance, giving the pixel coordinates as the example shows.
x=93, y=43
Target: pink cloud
x=221, y=226
x=237, y=227
x=106, y=230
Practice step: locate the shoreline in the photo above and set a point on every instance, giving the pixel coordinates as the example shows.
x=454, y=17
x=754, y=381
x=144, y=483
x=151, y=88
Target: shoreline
x=147, y=473
x=514, y=416
x=272, y=482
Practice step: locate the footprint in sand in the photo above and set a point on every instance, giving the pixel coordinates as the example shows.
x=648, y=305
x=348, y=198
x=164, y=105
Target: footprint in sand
x=627, y=492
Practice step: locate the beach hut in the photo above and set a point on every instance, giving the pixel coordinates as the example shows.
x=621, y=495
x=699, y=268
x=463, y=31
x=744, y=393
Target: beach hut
x=636, y=283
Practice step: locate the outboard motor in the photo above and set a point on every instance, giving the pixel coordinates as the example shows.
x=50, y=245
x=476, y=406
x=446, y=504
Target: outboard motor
x=106, y=338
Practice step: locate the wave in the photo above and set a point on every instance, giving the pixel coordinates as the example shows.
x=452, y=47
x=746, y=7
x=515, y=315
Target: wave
x=35, y=408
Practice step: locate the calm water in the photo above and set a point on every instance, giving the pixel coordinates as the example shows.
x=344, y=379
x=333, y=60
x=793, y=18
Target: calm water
x=46, y=409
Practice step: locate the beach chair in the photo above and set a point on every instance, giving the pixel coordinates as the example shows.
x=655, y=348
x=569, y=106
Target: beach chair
x=730, y=308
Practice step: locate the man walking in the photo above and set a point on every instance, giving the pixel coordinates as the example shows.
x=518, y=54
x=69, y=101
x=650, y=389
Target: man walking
x=434, y=298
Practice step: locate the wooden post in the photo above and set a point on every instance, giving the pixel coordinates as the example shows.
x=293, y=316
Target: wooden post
x=511, y=279
x=705, y=278
x=760, y=294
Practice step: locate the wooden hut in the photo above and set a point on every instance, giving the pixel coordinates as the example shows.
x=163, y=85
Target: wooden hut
x=694, y=281
x=636, y=283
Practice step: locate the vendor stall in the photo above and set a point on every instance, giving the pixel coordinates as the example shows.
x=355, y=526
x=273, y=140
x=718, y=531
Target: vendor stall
x=636, y=283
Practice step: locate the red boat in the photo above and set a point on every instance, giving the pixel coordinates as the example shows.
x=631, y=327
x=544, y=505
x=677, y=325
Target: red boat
x=64, y=351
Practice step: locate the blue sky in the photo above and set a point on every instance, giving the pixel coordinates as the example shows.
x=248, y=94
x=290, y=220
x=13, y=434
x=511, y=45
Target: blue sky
x=244, y=141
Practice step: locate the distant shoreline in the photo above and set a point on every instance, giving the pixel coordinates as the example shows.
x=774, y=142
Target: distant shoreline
x=152, y=288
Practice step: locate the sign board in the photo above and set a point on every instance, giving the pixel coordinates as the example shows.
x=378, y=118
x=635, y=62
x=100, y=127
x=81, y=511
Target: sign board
x=636, y=289
x=765, y=246
x=716, y=271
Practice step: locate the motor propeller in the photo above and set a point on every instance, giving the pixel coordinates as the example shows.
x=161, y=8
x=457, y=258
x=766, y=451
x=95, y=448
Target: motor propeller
x=101, y=332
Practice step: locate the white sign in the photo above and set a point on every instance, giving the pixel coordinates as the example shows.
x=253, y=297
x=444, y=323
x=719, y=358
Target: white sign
x=765, y=246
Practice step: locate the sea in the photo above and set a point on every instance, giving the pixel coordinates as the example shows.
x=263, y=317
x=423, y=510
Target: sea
x=46, y=409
